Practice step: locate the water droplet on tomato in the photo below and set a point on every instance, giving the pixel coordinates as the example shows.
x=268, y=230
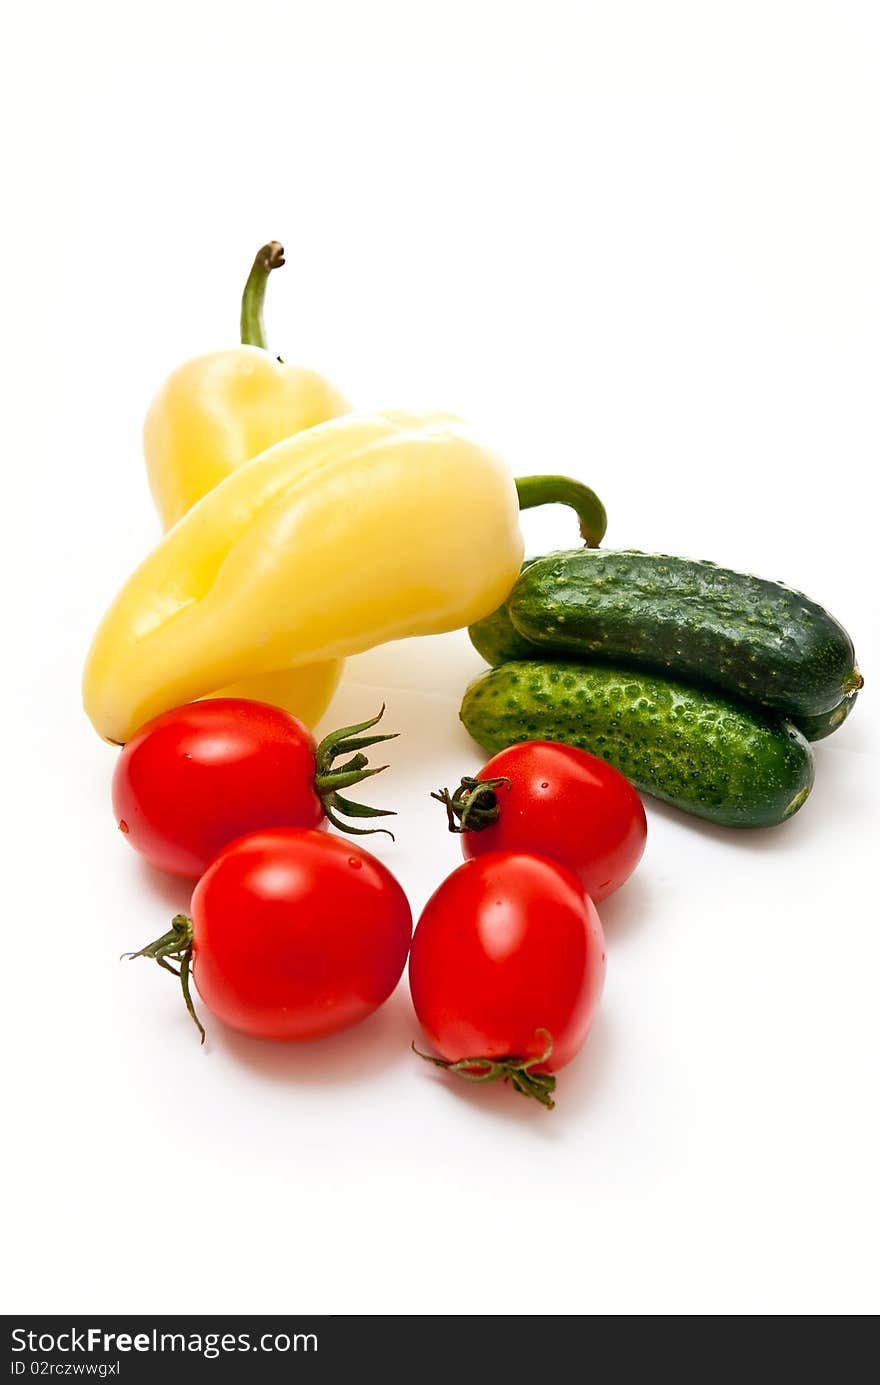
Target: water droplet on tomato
x=545, y=785
x=354, y=863
x=123, y=826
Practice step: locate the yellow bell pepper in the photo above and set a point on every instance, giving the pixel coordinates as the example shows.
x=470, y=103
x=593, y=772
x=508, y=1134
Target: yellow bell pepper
x=216, y=412
x=364, y=529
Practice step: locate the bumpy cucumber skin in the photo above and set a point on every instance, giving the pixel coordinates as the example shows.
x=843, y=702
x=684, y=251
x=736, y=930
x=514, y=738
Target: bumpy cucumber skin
x=702, y=752
x=758, y=641
x=497, y=640
x=818, y=727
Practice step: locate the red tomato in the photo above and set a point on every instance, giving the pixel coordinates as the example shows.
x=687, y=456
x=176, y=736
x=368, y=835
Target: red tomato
x=508, y=958
x=560, y=802
x=297, y=934
x=197, y=777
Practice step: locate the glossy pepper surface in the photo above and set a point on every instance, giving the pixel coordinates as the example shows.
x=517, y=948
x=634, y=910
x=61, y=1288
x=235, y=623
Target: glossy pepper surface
x=364, y=529
x=217, y=411
x=211, y=416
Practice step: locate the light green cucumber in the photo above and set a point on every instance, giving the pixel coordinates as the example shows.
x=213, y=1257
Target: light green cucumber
x=704, y=753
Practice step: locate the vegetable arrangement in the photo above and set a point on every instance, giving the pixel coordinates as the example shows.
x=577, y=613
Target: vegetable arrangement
x=284, y=566
x=298, y=532
x=702, y=685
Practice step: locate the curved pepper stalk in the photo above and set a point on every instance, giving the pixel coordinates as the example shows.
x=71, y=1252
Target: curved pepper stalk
x=562, y=490
x=211, y=416
x=268, y=257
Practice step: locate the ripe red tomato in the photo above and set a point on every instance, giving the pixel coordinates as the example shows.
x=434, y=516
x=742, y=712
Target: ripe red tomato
x=294, y=934
x=508, y=959
x=559, y=802
x=195, y=778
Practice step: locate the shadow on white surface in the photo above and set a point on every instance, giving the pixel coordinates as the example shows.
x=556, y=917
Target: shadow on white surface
x=578, y=1087
x=170, y=891
x=355, y=1055
x=628, y=910
x=836, y=797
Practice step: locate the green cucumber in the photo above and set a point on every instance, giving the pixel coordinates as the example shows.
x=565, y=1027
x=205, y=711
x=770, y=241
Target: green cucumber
x=818, y=727
x=700, y=751
x=495, y=638
x=758, y=641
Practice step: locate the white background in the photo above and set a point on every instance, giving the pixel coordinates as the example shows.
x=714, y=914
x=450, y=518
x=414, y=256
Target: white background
x=635, y=242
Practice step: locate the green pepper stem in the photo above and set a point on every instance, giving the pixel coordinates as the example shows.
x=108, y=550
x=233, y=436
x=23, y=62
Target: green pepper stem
x=268, y=257
x=562, y=490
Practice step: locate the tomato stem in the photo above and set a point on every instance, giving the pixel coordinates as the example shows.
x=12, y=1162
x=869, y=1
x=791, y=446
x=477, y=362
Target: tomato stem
x=519, y=1072
x=474, y=804
x=329, y=780
x=562, y=490
x=176, y=944
x=268, y=257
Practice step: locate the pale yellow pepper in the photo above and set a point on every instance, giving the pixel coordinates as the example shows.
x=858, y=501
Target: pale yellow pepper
x=364, y=529
x=217, y=411
x=212, y=415
x=355, y=531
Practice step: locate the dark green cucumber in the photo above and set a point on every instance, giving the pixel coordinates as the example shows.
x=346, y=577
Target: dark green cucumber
x=495, y=638
x=499, y=642
x=818, y=727
x=700, y=751
x=758, y=641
